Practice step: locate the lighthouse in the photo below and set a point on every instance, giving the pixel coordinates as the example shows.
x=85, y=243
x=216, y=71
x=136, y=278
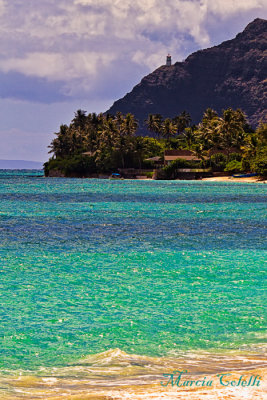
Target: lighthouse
x=168, y=60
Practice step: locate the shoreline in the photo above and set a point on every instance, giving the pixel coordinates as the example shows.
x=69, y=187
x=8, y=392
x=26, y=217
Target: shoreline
x=231, y=384
x=210, y=179
x=252, y=179
x=116, y=375
x=29, y=388
x=218, y=178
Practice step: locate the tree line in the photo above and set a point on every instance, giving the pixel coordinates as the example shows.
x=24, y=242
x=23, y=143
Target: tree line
x=103, y=143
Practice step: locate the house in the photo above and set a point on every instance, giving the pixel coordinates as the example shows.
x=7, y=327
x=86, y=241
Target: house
x=172, y=155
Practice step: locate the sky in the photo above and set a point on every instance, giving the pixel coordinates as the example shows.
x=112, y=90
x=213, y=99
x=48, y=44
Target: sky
x=60, y=56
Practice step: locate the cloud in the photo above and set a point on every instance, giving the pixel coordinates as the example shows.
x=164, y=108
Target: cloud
x=2, y=7
x=84, y=46
x=231, y=7
x=59, y=56
x=51, y=65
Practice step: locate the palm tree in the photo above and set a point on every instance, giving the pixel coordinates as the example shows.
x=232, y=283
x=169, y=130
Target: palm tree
x=79, y=119
x=129, y=125
x=139, y=149
x=153, y=123
x=208, y=116
x=119, y=118
x=189, y=137
x=61, y=146
x=230, y=129
x=182, y=121
x=261, y=133
x=208, y=128
x=105, y=142
x=169, y=129
x=251, y=146
x=107, y=132
x=198, y=151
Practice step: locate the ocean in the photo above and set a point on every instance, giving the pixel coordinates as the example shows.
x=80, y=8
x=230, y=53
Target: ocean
x=106, y=285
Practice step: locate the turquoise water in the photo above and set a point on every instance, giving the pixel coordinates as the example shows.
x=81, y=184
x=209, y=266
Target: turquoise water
x=155, y=268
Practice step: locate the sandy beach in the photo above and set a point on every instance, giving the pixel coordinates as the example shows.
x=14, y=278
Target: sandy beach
x=237, y=385
x=252, y=179
x=115, y=375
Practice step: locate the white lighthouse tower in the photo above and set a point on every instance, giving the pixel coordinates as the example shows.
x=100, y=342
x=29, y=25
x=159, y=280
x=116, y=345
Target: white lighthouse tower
x=169, y=60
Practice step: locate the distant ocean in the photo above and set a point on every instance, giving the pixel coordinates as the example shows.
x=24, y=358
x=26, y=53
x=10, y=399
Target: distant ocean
x=107, y=285
x=20, y=164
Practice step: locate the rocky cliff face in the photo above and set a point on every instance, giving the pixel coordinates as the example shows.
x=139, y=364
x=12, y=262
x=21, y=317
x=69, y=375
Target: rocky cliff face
x=233, y=74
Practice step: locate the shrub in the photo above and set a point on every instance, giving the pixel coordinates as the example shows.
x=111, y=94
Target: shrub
x=233, y=166
x=147, y=164
x=170, y=170
x=246, y=165
x=78, y=165
x=235, y=157
x=260, y=165
x=218, y=161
